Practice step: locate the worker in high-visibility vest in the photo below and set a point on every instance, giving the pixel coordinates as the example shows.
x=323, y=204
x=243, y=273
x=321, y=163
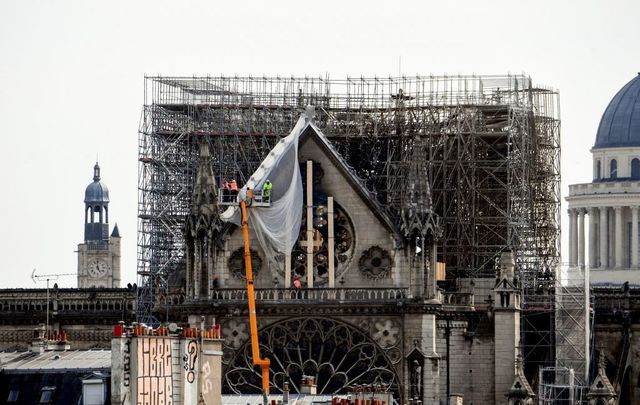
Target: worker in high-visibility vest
x=233, y=188
x=266, y=191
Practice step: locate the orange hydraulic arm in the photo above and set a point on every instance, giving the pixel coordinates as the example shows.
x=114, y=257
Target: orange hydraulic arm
x=253, y=323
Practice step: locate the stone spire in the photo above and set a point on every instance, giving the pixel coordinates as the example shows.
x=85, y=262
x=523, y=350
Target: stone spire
x=419, y=224
x=601, y=390
x=417, y=208
x=201, y=229
x=520, y=388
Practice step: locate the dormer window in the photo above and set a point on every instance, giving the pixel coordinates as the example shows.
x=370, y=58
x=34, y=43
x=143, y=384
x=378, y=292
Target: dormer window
x=635, y=168
x=46, y=395
x=613, y=169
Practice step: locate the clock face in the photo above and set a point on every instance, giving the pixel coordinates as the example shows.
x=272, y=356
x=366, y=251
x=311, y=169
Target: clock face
x=97, y=268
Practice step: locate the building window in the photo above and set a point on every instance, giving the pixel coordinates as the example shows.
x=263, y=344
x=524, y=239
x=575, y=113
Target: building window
x=613, y=169
x=598, y=170
x=93, y=392
x=46, y=395
x=635, y=168
x=13, y=396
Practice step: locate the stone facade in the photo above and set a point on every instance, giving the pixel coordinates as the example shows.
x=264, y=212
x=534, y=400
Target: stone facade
x=384, y=322
x=86, y=315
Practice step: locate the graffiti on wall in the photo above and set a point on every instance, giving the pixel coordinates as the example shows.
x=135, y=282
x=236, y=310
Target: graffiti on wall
x=154, y=372
x=127, y=363
x=189, y=359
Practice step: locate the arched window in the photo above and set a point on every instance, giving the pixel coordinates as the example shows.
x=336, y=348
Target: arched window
x=635, y=168
x=598, y=170
x=613, y=169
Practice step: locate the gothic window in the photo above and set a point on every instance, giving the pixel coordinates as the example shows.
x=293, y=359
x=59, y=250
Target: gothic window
x=635, y=168
x=613, y=169
x=338, y=355
x=236, y=263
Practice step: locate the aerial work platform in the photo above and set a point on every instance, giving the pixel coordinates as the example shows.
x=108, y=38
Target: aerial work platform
x=255, y=198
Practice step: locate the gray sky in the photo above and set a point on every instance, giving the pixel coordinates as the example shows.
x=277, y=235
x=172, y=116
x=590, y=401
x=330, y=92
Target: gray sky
x=71, y=84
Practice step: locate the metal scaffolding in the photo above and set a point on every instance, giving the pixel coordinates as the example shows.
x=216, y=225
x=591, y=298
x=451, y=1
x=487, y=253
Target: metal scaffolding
x=573, y=322
x=492, y=144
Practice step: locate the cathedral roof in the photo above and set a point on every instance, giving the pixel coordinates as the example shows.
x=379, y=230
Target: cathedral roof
x=620, y=123
x=312, y=131
x=96, y=192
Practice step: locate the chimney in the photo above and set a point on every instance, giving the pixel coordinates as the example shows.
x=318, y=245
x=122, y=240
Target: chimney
x=285, y=393
x=38, y=343
x=308, y=385
x=57, y=341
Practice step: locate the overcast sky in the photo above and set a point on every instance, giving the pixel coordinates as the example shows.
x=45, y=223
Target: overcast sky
x=71, y=84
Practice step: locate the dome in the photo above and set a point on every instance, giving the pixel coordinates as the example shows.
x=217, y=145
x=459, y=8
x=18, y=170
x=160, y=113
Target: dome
x=96, y=192
x=620, y=123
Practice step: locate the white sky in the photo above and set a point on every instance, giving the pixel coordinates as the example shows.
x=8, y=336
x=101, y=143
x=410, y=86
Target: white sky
x=71, y=84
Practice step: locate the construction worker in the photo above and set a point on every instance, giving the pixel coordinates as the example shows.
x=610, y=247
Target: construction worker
x=266, y=191
x=249, y=196
x=233, y=189
x=296, y=282
x=225, y=191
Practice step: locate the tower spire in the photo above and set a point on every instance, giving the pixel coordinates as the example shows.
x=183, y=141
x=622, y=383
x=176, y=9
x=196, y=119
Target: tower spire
x=96, y=172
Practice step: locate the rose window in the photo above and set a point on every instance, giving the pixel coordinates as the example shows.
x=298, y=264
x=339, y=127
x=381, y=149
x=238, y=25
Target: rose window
x=344, y=245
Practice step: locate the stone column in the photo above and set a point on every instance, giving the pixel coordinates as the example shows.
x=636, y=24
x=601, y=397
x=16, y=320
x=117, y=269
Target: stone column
x=634, y=237
x=573, y=240
x=593, y=241
x=581, y=237
x=604, y=233
x=619, y=251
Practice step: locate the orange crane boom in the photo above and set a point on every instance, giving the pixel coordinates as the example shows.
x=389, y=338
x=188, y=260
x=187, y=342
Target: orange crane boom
x=253, y=323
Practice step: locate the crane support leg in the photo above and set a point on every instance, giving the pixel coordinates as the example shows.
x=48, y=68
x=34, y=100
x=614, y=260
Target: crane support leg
x=253, y=323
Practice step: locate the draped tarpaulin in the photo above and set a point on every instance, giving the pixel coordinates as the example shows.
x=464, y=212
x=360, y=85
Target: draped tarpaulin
x=277, y=227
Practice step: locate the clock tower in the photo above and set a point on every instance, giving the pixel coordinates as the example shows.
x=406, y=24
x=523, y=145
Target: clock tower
x=99, y=255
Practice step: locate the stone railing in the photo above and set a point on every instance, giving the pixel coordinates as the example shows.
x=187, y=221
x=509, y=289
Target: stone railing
x=71, y=300
x=314, y=294
x=605, y=187
x=458, y=299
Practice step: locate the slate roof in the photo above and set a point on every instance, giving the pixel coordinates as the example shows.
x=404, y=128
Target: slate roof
x=620, y=123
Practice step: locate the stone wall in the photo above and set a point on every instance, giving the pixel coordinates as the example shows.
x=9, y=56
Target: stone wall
x=472, y=363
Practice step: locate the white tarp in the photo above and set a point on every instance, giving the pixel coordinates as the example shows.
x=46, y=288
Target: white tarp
x=277, y=227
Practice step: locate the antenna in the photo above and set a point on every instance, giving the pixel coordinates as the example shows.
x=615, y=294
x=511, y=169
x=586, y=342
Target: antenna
x=35, y=277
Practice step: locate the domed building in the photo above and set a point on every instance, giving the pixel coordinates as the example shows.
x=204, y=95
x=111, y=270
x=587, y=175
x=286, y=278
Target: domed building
x=612, y=199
